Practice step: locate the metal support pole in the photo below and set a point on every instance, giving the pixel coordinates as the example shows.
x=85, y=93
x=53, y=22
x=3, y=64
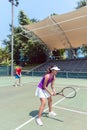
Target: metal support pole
x=12, y=35
x=12, y=41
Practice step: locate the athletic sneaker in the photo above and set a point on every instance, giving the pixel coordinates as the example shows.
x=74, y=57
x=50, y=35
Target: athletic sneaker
x=20, y=85
x=52, y=113
x=15, y=85
x=39, y=122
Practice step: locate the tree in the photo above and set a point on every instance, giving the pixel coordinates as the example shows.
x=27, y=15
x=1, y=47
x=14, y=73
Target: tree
x=58, y=54
x=4, y=56
x=84, y=50
x=31, y=51
x=34, y=20
x=37, y=52
x=81, y=4
x=26, y=50
x=23, y=19
x=53, y=14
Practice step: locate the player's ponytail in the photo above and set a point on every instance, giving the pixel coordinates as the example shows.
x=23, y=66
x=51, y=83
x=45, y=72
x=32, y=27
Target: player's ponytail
x=49, y=69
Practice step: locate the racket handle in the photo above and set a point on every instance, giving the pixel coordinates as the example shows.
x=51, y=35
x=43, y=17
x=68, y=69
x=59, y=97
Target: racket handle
x=57, y=93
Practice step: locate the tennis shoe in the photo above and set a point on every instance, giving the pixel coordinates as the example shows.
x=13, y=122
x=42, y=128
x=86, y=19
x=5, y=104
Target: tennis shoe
x=39, y=122
x=21, y=85
x=52, y=113
x=16, y=85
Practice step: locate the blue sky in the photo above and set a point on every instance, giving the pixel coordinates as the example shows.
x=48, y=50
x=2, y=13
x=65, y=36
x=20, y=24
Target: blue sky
x=39, y=9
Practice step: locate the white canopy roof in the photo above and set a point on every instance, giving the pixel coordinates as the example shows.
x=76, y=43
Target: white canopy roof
x=62, y=31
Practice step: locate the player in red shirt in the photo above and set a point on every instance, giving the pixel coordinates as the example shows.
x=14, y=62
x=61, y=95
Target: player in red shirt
x=18, y=76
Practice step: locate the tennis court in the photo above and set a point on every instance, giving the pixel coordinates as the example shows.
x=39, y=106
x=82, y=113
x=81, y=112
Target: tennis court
x=19, y=106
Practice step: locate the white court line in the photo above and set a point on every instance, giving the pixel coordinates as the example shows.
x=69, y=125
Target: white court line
x=72, y=110
x=37, y=115
x=11, y=84
x=44, y=111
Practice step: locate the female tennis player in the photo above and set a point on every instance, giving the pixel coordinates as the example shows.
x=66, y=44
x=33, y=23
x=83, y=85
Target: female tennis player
x=43, y=92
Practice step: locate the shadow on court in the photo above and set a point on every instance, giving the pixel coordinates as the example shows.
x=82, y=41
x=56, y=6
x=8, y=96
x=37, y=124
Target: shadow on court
x=51, y=117
x=33, y=113
x=45, y=114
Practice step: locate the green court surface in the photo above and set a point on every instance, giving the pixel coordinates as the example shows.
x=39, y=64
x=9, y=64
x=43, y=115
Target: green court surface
x=19, y=106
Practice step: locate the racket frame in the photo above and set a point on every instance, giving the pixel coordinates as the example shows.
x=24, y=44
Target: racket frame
x=62, y=94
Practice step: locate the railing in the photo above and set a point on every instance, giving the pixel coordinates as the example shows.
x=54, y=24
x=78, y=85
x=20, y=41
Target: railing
x=5, y=70
x=61, y=74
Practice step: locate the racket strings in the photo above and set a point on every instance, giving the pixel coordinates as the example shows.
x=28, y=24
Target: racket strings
x=69, y=92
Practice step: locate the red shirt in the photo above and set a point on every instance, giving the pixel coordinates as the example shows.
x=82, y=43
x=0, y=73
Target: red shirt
x=18, y=70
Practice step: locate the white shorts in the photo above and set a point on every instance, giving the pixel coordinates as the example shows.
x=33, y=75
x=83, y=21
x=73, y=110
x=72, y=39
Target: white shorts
x=41, y=93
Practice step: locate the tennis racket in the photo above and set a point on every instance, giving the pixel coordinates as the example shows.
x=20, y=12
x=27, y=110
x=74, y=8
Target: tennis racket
x=67, y=92
x=17, y=76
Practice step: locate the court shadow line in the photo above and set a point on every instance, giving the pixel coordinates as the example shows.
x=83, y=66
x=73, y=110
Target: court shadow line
x=34, y=113
x=51, y=117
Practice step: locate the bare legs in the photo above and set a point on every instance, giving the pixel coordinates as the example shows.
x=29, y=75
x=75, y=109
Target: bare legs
x=50, y=103
x=41, y=108
x=18, y=82
x=43, y=104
